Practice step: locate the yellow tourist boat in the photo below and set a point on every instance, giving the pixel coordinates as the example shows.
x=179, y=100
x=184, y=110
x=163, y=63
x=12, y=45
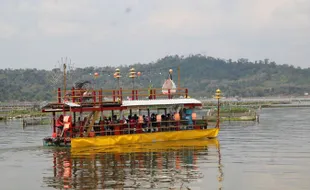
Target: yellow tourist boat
x=85, y=117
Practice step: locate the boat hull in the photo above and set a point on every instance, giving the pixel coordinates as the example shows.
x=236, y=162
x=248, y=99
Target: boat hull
x=98, y=141
x=194, y=144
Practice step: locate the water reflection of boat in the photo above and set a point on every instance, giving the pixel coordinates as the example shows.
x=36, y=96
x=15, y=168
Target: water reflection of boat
x=148, y=166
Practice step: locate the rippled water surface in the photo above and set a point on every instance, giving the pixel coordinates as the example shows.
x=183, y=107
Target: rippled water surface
x=274, y=154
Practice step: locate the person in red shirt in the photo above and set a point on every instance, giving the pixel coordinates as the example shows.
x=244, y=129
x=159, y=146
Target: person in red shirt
x=60, y=124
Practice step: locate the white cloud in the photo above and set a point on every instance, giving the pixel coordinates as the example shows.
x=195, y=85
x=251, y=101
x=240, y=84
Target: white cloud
x=64, y=18
x=7, y=31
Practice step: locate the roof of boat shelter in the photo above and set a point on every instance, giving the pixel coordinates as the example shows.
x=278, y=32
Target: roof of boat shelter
x=158, y=103
x=161, y=102
x=51, y=107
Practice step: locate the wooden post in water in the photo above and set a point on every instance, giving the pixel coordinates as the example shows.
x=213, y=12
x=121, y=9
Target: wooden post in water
x=258, y=113
x=54, y=122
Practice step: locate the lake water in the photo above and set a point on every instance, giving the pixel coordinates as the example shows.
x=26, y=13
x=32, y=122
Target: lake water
x=274, y=154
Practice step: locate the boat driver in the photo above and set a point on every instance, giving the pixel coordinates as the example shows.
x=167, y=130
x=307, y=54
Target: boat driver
x=60, y=124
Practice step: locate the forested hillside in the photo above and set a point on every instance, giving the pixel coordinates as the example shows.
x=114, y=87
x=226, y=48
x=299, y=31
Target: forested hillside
x=202, y=75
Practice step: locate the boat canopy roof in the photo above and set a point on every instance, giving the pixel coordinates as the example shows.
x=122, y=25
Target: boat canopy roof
x=125, y=104
x=161, y=102
x=57, y=107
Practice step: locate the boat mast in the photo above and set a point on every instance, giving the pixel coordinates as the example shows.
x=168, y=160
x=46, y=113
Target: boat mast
x=65, y=86
x=65, y=81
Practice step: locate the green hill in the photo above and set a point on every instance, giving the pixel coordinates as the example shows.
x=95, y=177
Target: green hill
x=202, y=75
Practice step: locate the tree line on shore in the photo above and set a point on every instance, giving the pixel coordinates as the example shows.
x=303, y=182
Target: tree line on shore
x=202, y=75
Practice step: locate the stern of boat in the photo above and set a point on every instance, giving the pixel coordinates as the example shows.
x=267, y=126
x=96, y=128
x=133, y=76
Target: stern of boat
x=56, y=142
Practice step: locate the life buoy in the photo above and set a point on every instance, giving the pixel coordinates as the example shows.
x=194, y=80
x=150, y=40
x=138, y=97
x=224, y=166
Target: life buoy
x=91, y=134
x=67, y=122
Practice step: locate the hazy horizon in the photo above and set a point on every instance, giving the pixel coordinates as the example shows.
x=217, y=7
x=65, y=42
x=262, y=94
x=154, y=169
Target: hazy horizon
x=72, y=65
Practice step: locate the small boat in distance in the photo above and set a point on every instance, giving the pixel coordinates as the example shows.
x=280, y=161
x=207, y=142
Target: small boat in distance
x=84, y=117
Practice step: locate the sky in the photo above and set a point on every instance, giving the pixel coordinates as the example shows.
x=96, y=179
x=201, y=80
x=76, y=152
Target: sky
x=36, y=34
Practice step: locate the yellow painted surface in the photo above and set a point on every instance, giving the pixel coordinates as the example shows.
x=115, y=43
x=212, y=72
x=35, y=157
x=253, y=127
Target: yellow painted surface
x=142, y=138
x=196, y=144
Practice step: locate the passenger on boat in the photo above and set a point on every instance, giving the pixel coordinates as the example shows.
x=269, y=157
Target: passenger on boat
x=60, y=124
x=124, y=120
x=144, y=124
x=97, y=127
x=164, y=123
x=132, y=124
x=105, y=125
x=110, y=126
x=114, y=118
x=85, y=121
x=153, y=121
x=128, y=118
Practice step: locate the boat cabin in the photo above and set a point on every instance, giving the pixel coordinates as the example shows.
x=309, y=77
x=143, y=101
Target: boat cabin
x=91, y=113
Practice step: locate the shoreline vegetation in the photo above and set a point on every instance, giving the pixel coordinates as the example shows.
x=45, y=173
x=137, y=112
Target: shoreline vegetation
x=201, y=74
x=229, y=110
x=27, y=117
